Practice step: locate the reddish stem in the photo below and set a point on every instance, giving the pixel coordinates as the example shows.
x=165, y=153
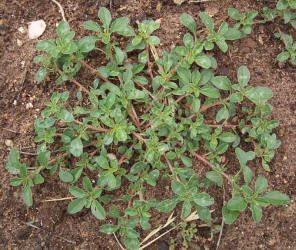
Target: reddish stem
x=149, y=63
x=140, y=138
x=94, y=71
x=204, y=160
x=123, y=158
x=170, y=166
x=75, y=82
x=97, y=129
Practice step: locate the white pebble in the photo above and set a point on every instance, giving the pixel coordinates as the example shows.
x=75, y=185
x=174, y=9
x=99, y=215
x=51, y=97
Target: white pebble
x=36, y=29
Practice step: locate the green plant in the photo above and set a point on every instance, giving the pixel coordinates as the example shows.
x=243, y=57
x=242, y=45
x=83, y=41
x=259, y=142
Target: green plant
x=290, y=52
x=144, y=121
x=188, y=233
x=245, y=21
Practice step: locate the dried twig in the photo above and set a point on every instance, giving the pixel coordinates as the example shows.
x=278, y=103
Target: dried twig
x=59, y=199
x=61, y=9
x=30, y=224
x=10, y=130
x=118, y=242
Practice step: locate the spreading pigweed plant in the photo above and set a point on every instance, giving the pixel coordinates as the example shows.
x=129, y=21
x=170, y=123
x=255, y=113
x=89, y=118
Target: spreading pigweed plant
x=146, y=119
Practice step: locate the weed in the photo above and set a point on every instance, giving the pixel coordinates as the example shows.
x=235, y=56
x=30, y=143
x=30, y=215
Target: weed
x=144, y=119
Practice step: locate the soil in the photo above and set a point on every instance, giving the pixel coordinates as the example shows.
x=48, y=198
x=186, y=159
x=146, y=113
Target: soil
x=59, y=230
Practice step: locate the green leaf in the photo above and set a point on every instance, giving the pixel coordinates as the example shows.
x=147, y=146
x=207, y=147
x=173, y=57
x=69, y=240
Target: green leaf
x=233, y=34
x=97, y=210
x=243, y=156
x=221, y=82
x=166, y=206
x=131, y=243
x=66, y=116
x=215, y=177
x=186, y=161
x=229, y=216
x=76, y=147
x=282, y=4
x=105, y=17
x=220, y=41
x=113, y=212
x=236, y=97
x=178, y=188
x=188, y=22
x=121, y=134
x=256, y=212
x=27, y=195
x=204, y=213
x=87, y=184
x=203, y=61
x=93, y=26
x=207, y=20
x=153, y=40
x=261, y=184
x=77, y=192
x=152, y=177
x=87, y=44
x=16, y=181
x=186, y=209
x=138, y=167
x=203, y=199
x=109, y=228
x=259, y=95
x=222, y=114
x=38, y=179
x=234, y=14
x=210, y=91
x=243, y=75
x=236, y=203
x=102, y=161
x=184, y=74
x=248, y=174
x=65, y=176
x=41, y=74
x=228, y=137
x=13, y=164
x=188, y=41
x=76, y=205
x=63, y=28
x=276, y=198
x=119, y=25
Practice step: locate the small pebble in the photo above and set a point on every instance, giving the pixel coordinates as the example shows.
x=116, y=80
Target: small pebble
x=9, y=143
x=29, y=105
x=21, y=30
x=19, y=42
x=36, y=29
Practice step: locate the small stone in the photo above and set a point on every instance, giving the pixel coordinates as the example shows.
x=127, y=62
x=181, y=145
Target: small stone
x=36, y=29
x=179, y=2
x=9, y=143
x=29, y=105
x=21, y=30
x=111, y=156
x=19, y=42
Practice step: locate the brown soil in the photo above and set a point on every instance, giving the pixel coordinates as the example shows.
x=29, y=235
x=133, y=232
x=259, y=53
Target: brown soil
x=277, y=230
